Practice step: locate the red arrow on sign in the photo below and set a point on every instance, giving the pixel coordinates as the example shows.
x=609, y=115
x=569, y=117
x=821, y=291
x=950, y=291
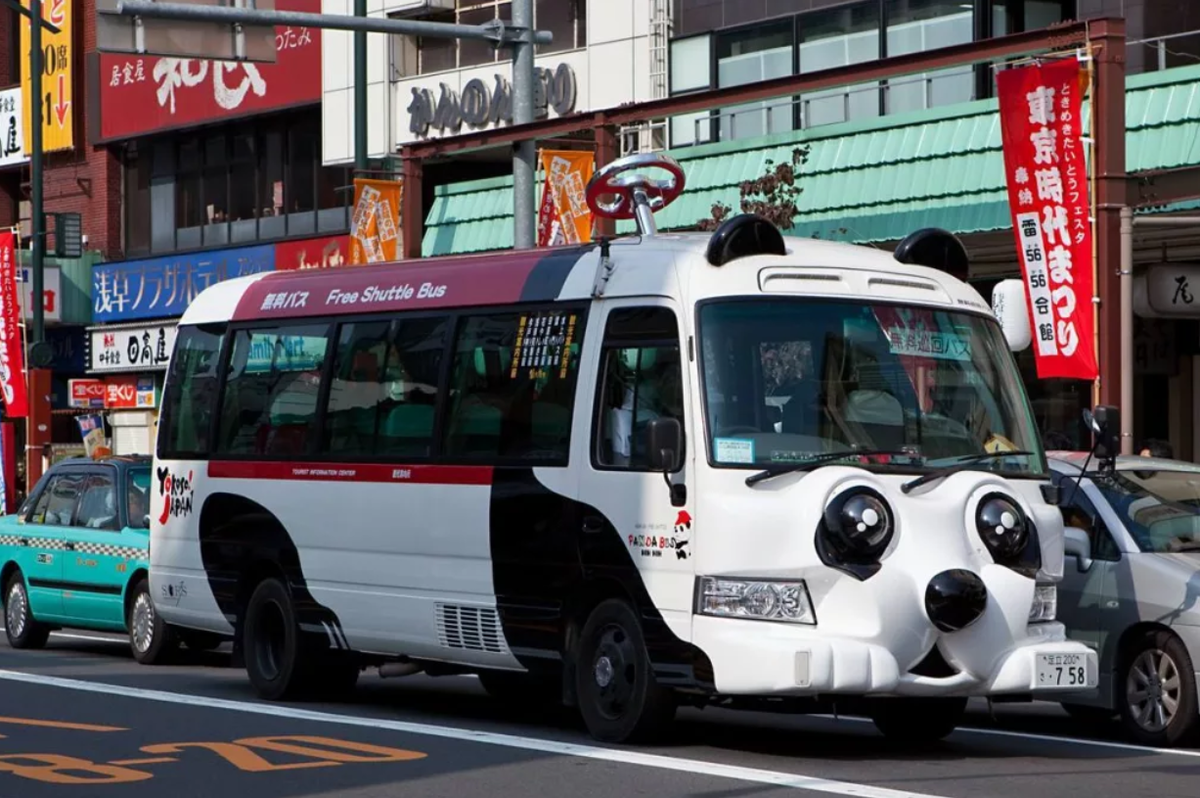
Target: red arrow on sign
x=60, y=109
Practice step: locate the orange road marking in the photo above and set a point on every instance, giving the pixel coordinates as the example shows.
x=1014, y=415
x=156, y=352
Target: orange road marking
x=58, y=724
x=151, y=761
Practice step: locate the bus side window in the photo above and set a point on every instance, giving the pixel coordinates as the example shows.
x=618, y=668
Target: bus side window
x=642, y=380
x=270, y=402
x=190, y=396
x=512, y=386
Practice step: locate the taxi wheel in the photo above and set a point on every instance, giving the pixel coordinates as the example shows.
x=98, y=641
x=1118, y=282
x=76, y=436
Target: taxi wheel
x=917, y=720
x=619, y=699
x=19, y=625
x=1157, y=691
x=151, y=640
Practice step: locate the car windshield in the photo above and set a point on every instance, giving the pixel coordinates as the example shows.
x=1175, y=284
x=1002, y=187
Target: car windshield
x=1161, y=509
x=139, y=497
x=788, y=380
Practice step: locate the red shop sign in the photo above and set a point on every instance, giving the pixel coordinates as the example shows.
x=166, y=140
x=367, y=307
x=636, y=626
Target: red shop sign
x=1040, y=124
x=87, y=393
x=139, y=94
x=12, y=356
x=312, y=253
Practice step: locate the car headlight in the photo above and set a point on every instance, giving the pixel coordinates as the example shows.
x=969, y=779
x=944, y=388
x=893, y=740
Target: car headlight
x=755, y=599
x=1045, y=604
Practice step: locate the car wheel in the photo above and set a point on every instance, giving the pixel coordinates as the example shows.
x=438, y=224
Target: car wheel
x=917, y=720
x=1157, y=691
x=22, y=629
x=619, y=698
x=151, y=640
x=196, y=640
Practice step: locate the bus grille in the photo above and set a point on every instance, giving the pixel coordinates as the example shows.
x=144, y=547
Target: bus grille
x=471, y=628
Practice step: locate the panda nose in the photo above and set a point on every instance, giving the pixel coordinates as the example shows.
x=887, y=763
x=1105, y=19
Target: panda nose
x=955, y=599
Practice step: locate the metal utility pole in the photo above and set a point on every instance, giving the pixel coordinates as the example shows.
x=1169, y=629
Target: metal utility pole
x=524, y=153
x=360, y=91
x=38, y=240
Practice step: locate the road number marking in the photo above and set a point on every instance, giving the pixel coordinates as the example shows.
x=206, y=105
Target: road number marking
x=239, y=756
x=56, y=724
x=56, y=769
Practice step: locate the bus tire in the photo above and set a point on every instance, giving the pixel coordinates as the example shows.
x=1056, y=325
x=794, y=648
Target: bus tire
x=151, y=640
x=917, y=720
x=272, y=645
x=619, y=698
x=22, y=629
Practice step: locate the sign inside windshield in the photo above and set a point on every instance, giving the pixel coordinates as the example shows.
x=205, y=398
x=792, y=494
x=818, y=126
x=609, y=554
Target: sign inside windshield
x=928, y=343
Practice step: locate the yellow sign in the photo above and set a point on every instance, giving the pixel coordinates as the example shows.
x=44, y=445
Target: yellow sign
x=375, y=225
x=58, y=67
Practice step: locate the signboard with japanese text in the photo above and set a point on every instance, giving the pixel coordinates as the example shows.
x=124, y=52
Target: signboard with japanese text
x=564, y=216
x=12, y=129
x=146, y=348
x=313, y=253
x=86, y=393
x=1168, y=291
x=375, y=223
x=129, y=392
x=164, y=287
x=1041, y=124
x=12, y=353
x=141, y=94
x=58, y=69
x=51, y=292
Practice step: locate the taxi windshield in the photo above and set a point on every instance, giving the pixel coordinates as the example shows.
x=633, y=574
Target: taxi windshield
x=139, y=497
x=1161, y=509
x=792, y=380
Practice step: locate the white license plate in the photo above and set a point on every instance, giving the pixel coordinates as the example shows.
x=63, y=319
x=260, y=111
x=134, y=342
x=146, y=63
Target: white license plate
x=1063, y=670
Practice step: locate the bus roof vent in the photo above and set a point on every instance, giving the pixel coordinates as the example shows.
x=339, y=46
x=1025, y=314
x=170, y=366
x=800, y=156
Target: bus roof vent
x=744, y=235
x=935, y=248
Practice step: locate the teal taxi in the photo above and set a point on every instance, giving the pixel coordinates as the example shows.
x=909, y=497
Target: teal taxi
x=76, y=555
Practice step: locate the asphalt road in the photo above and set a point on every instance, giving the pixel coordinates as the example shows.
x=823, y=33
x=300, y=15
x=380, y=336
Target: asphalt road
x=81, y=718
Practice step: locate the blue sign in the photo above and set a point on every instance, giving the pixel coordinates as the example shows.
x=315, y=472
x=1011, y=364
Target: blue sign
x=164, y=287
x=68, y=349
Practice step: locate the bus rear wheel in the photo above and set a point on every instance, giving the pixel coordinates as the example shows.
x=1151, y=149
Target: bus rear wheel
x=271, y=641
x=619, y=698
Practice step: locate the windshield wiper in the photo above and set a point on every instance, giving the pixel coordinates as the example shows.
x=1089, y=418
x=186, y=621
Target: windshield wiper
x=970, y=464
x=827, y=457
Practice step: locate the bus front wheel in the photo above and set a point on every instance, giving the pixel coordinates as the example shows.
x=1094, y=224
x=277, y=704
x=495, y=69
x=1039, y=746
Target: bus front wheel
x=619, y=698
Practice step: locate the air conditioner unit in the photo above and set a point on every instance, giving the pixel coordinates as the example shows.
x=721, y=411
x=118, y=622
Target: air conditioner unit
x=416, y=8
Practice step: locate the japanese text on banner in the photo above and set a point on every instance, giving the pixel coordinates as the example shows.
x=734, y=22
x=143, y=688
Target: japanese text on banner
x=12, y=355
x=58, y=70
x=564, y=216
x=1041, y=122
x=375, y=223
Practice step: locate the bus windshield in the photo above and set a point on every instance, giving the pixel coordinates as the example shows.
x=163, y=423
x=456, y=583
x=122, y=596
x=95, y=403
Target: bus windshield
x=789, y=380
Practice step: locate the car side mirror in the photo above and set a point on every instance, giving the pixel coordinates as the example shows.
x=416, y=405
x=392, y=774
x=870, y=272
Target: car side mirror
x=1077, y=543
x=1105, y=424
x=664, y=445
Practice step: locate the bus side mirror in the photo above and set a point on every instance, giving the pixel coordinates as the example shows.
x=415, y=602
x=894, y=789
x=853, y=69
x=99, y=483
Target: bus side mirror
x=1008, y=303
x=1077, y=544
x=664, y=440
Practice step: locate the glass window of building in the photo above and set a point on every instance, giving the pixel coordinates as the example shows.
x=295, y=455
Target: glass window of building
x=691, y=70
x=834, y=38
x=752, y=56
x=918, y=25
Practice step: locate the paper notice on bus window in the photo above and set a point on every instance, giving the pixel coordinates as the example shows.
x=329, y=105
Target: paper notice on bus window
x=907, y=342
x=734, y=450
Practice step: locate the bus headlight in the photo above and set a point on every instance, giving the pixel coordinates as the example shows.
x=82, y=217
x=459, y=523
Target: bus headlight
x=1045, y=604
x=855, y=530
x=755, y=599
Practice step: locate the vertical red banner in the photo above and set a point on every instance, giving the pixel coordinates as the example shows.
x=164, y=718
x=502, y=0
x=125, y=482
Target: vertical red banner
x=1041, y=122
x=12, y=356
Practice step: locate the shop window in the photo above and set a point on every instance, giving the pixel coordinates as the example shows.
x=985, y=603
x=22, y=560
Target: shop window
x=189, y=207
x=138, y=208
x=243, y=199
x=512, y=387
x=334, y=188
x=915, y=26
x=98, y=506
x=190, y=393
x=272, y=223
x=216, y=192
x=835, y=38
x=300, y=181
x=383, y=398
x=269, y=408
x=642, y=381
x=753, y=56
x=474, y=52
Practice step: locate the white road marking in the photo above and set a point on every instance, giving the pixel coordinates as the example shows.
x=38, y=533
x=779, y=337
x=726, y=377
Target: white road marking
x=88, y=638
x=625, y=757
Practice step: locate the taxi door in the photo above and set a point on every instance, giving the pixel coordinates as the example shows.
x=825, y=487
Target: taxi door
x=41, y=541
x=96, y=565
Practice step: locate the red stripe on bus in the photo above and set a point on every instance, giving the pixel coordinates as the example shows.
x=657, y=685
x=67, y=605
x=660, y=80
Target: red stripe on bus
x=494, y=279
x=352, y=472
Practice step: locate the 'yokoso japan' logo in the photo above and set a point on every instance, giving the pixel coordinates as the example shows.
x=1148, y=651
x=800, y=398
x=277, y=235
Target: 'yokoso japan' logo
x=177, y=492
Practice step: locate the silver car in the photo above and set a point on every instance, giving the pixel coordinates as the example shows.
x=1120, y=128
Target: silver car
x=1130, y=589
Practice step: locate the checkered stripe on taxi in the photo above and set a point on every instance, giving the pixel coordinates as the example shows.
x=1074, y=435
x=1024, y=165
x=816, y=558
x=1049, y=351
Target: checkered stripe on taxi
x=110, y=550
x=33, y=542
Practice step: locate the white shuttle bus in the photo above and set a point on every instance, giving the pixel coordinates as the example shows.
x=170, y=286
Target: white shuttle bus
x=734, y=469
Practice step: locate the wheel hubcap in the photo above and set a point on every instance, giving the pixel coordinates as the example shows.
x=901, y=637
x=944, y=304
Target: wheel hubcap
x=143, y=623
x=15, y=609
x=1152, y=690
x=615, y=671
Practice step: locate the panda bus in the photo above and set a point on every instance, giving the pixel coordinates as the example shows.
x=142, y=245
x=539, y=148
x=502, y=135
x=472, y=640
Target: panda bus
x=734, y=470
